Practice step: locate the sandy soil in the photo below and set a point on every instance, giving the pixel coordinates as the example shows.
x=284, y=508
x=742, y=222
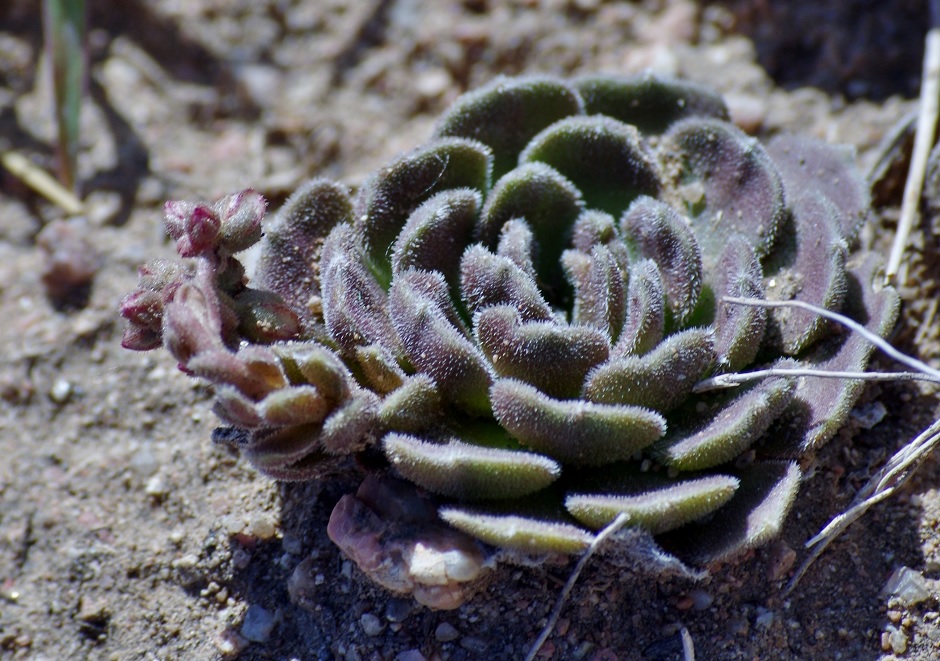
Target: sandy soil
x=125, y=534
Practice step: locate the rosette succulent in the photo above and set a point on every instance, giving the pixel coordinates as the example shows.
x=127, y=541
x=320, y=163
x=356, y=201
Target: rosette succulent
x=507, y=325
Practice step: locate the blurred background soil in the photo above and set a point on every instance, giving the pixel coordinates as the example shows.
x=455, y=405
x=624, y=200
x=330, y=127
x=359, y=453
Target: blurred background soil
x=125, y=534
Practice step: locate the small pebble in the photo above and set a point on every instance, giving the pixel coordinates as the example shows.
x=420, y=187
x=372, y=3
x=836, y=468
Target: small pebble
x=473, y=644
x=445, y=632
x=410, y=655
x=262, y=527
x=764, y=619
x=156, y=487
x=61, y=391
x=701, y=599
x=398, y=609
x=230, y=643
x=371, y=625
x=894, y=640
x=908, y=586
x=258, y=624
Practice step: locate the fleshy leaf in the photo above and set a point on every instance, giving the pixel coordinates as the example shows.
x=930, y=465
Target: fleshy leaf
x=599, y=292
x=264, y=317
x=516, y=244
x=648, y=101
x=296, y=405
x=656, y=231
x=739, y=329
x=435, y=235
x=551, y=356
x=312, y=363
x=469, y=472
x=656, y=505
x=234, y=408
x=380, y=369
x=519, y=533
x=730, y=430
x=753, y=516
x=547, y=201
x=811, y=166
x=811, y=269
x=413, y=407
x=646, y=311
x=292, y=242
x=821, y=406
x=392, y=195
x=355, y=308
x=351, y=427
x=728, y=183
x=507, y=113
x=487, y=279
x=434, y=345
x=270, y=450
x=255, y=371
x=604, y=158
x=571, y=431
x=661, y=379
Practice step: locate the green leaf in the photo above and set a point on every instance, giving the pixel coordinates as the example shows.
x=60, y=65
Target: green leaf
x=739, y=329
x=599, y=291
x=434, y=345
x=413, y=407
x=519, y=533
x=646, y=311
x=657, y=505
x=602, y=157
x=469, y=472
x=507, y=113
x=648, y=101
x=487, y=280
x=551, y=356
x=573, y=431
x=660, y=380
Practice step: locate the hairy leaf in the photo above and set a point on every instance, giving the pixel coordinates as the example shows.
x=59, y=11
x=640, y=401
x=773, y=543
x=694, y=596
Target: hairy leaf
x=528, y=535
x=646, y=311
x=487, y=279
x=739, y=329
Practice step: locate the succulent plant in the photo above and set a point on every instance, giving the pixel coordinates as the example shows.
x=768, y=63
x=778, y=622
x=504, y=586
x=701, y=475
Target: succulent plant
x=508, y=325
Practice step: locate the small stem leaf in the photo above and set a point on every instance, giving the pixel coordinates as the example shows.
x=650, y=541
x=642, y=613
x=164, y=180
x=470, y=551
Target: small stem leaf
x=655, y=505
x=602, y=157
x=296, y=405
x=599, y=292
x=413, y=407
x=649, y=102
x=469, y=472
x=516, y=244
x=661, y=379
x=508, y=113
x=573, y=432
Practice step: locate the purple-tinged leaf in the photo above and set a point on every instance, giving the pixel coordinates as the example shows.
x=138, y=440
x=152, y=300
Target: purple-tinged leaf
x=264, y=317
x=487, y=279
x=754, y=515
x=811, y=166
x=809, y=266
x=646, y=311
x=661, y=379
x=507, y=113
x=739, y=329
x=290, y=453
x=355, y=308
x=382, y=372
x=728, y=183
x=469, y=472
x=234, y=408
x=648, y=101
x=290, y=250
x=547, y=201
x=656, y=231
x=352, y=426
x=434, y=345
x=516, y=244
x=572, y=431
x=437, y=232
x=255, y=371
x=551, y=356
x=296, y=405
x=312, y=363
x=390, y=197
x=599, y=292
